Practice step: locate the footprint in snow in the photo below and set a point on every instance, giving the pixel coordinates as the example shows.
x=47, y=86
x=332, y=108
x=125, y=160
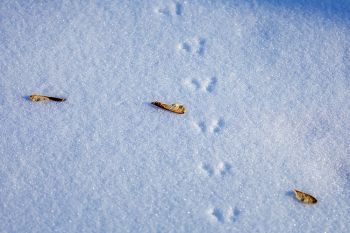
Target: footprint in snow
x=174, y=9
x=218, y=215
x=195, y=46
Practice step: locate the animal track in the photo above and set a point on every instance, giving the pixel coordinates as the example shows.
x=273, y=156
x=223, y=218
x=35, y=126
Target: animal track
x=218, y=215
x=175, y=9
x=216, y=126
x=233, y=214
x=201, y=46
x=212, y=84
x=207, y=168
x=178, y=8
x=221, y=169
x=194, y=46
x=206, y=85
x=186, y=47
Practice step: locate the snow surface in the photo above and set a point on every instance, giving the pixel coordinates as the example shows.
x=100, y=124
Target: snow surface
x=266, y=84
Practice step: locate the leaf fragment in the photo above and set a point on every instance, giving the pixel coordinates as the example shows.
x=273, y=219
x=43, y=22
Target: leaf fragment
x=176, y=108
x=38, y=98
x=304, y=197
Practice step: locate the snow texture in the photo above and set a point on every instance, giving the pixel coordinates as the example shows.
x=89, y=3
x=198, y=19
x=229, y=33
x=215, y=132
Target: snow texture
x=266, y=85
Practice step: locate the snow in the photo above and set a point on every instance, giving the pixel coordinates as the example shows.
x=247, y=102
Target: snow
x=266, y=85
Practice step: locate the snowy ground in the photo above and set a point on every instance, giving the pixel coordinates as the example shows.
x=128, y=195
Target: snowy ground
x=266, y=84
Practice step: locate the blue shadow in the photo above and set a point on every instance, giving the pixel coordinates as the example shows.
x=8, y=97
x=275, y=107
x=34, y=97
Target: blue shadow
x=335, y=10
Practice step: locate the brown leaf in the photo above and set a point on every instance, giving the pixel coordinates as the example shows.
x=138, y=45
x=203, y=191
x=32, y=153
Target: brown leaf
x=176, y=108
x=37, y=98
x=304, y=197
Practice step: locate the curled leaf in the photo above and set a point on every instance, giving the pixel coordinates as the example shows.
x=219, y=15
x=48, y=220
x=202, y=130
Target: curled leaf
x=304, y=197
x=37, y=98
x=176, y=108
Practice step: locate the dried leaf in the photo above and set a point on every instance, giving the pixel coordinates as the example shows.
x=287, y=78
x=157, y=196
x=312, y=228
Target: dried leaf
x=304, y=197
x=176, y=108
x=37, y=98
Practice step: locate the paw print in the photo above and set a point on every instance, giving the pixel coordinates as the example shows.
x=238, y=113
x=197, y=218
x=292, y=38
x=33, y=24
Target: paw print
x=205, y=85
x=193, y=46
x=216, y=126
x=221, y=169
x=218, y=215
x=174, y=9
